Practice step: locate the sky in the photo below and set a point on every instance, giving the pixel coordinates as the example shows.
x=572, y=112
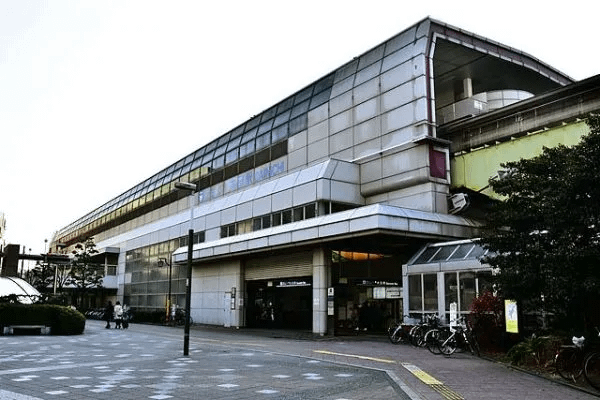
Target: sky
x=96, y=96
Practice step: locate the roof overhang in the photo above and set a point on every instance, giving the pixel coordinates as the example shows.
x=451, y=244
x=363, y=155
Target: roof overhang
x=360, y=222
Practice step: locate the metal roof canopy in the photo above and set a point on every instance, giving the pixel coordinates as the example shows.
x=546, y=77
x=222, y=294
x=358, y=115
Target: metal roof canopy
x=459, y=254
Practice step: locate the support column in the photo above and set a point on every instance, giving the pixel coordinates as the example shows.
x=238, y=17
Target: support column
x=321, y=281
x=441, y=297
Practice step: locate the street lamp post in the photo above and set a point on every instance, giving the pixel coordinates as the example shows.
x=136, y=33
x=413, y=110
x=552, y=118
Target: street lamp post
x=59, y=246
x=161, y=262
x=188, y=283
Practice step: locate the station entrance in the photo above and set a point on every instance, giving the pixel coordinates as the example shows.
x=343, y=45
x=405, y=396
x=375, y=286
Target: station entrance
x=280, y=303
x=367, y=291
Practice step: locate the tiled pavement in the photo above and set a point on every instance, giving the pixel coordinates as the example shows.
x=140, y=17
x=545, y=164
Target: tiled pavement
x=146, y=362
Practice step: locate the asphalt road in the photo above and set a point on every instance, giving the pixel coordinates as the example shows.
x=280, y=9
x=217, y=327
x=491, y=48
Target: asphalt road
x=147, y=362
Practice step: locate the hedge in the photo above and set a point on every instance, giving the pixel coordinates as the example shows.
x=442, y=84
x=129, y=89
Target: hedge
x=61, y=320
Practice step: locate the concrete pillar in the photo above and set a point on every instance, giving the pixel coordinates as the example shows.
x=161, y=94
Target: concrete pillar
x=467, y=87
x=321, y=281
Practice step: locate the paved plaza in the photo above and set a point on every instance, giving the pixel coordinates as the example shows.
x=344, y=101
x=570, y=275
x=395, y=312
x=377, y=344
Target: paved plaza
x=147, y=362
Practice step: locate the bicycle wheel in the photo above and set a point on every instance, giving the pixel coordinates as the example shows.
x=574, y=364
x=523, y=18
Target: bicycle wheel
x=591, y=370
x=432, y=338
x=448, y=345
x=395, y=333
x=473, y=345
x=417, y=336
x=567, y=363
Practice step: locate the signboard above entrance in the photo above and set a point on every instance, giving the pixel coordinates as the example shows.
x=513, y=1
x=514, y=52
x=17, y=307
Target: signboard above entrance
x=292, y=283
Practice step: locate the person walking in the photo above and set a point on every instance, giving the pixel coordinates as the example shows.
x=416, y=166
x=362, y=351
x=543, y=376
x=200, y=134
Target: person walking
x=108, y=313
x=118, y=315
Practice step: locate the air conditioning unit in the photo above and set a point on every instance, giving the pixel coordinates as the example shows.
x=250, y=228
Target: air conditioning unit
x=458, y=202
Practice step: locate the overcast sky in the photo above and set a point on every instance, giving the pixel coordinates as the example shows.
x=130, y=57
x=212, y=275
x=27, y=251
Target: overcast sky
x=96, y=96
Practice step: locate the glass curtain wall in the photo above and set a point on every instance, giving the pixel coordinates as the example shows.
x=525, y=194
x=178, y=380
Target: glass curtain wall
x=149, y=286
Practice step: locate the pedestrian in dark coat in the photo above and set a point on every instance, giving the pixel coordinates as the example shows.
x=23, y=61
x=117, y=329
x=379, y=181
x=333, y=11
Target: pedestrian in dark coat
x=108, y=313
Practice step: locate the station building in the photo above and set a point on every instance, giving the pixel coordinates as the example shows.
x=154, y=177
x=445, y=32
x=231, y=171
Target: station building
x=305, y=215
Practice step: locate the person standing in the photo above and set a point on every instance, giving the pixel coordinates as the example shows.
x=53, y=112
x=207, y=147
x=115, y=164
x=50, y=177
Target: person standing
x=108, y=313
x=118, y=315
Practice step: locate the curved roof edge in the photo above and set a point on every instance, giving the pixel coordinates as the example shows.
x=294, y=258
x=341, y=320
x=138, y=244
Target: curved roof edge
x=509, y=53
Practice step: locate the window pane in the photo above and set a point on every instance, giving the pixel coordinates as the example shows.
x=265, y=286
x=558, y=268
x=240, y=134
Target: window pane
x=286, y=104
x=303, y=95
x=443, y=254
x=426, y=255
x=282, y=118
x=231, y=156
x=266, y=222
x=484, y=282
x=279, y=133
x=414, y=293
x=247, y=149
x=462, y=251
x=298, y=124
x=234, y=143
x=265, y=127
x=252, y=123
x=430, y=292
x=310, y=211
x=218, y=162
x=451, y=289
x=256, y=224
x=298, y=213
x=299, y=109
x=263, y=141
x=467, y=290
x=477, y=252
x=220, y=150
x=276, y=219
x=249, y=135
x=286, y=216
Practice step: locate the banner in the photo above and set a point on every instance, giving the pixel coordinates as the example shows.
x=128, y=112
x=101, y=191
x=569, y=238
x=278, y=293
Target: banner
x=511, y=316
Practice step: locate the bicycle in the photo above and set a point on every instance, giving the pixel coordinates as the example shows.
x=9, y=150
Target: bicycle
x=573, y=361
x=398, y=332
x=461, y=336
x=179, y=318
x=418, y=332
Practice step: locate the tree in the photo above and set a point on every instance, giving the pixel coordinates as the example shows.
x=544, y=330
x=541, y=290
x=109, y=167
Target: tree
x=84, y=274
x=545, y=235
x=41, y=276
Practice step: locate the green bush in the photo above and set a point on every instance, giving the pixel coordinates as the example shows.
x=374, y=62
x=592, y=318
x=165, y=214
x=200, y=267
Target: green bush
x=536, y=351
x=61, y=320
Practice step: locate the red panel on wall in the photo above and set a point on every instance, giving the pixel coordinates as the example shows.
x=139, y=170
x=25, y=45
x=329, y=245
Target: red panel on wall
x=437, y=163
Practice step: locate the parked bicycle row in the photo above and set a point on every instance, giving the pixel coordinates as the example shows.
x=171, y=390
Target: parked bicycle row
x=437, y=338
x=574, y=363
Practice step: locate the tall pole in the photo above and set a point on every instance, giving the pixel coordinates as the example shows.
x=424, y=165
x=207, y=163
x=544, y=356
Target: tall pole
x=188, y=284
x=169, y=298
x=188, y=294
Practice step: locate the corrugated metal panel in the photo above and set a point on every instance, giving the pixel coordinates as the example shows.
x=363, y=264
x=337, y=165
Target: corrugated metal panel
x=281, y=266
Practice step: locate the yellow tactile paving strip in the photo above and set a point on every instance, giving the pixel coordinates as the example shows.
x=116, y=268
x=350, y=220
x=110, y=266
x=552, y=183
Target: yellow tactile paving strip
x=436, y=385
x=423, y=376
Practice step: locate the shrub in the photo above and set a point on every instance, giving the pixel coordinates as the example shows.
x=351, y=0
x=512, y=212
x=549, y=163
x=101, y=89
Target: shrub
x=535, y=351
x=487, y=320
x=62, y=320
